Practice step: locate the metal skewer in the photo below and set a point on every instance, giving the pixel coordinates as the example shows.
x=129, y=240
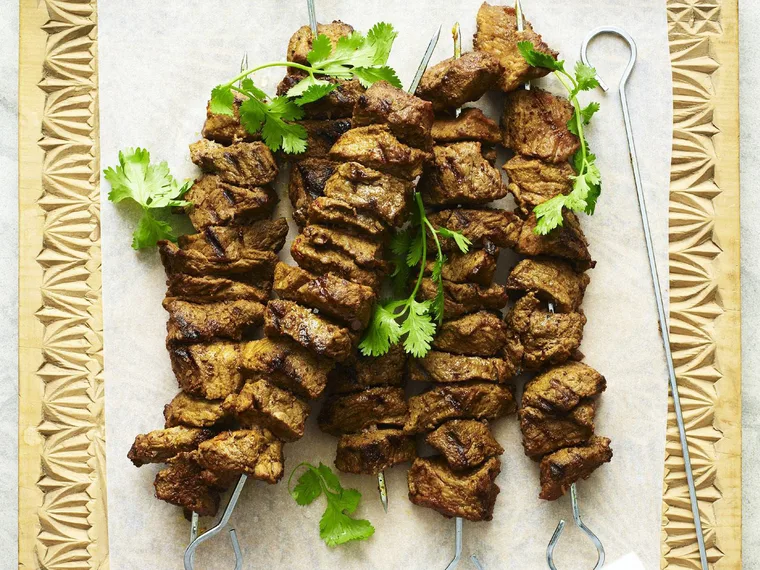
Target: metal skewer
x=653, y=270
x=521, y=28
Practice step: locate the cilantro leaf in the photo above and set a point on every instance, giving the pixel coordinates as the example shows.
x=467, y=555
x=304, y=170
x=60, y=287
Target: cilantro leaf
x=369, y=75
x=438, y=304
x=381, y=38
x=399, y=245
x=321, y=48
x=549, y=215
x=314, y=92
x=383, y=330
x=222, y=100
x=414, y=255
x=309, y=487
x=419, y=328
x=463, y=243
x=585, y=77
x=150, y=231
x=336, y=527
x=539, y=59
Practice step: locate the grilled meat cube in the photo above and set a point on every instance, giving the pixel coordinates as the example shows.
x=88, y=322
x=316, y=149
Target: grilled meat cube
x=187, y=410
x=469, y=494
x=255, y=452
x=321, y=134
x=182, y=484
x=208, y=371
x=408, y=117
x=195, y=322
x=566, y=241
x=562, y=388
x=332, y=295
x=536, y=337
x=544, y=432
x=533, y=181
x=371, y=452
x=460, y=174
x=286, y=364
x=264, y=404
x=477, y=266
x=300, y=43
x=334, y=212
x=376, y=147
x=354, y=412
x=445, y=368
x=456, y=81
x=470, y=125
x=178, y=260
x=307, y=183
x=478, y=401
x=313, y=256
x=159, y=445
x=364, y=252
x=462, y=298
x=210, y=289
x=219, y=480
x=535, y=125
x=464, y=443
x=370, y=371
x=552, y=280
x=337, y=104
x=497, y=35
x=241, y=164
x=485, y=228
x=216, y=202
x=477, y=334
x=312, y=331
x=226, y=129
x=564, y=467
x=235, y=242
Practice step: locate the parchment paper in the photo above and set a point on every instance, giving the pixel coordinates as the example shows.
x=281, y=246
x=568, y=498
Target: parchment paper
x=158, y=62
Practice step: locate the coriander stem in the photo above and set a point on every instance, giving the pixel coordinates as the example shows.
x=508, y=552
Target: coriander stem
x=423, y=260
x=578, y=116
x=309, y=70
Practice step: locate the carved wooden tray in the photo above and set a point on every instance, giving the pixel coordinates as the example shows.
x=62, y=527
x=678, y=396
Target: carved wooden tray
x=62, y=503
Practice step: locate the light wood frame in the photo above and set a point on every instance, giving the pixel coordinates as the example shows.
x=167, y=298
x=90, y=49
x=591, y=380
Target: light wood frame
x=62, y=497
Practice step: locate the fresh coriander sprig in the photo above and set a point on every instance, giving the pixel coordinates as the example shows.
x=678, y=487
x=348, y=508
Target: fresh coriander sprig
x=587, y=182
x=354, y=56
x=153, y=188
x=336, y=526
x=415, y=321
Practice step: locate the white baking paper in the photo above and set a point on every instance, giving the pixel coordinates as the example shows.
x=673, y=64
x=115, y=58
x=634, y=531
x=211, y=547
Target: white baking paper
x=158, y=62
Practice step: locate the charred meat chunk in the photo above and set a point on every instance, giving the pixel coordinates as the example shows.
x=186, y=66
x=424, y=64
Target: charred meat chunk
x=162, y=444
x=235, y=242
x=337, y=104
x=182, y=484
x=533, y=181
x=321, y=134
x=462, y=298
x=497, y=35
x=193, y=262
x=470, y=125
x=566, y=241
x=371, y=452
x=241, y=164
x=445, y=368
x=552, y=280
x=364, y=252
x=196, y=322
x=187, y=410
x=485, y=228
x=333, y=212
x=562, y=468
x=562, y=388
x=545, y=432
x=218, y=203
x=211, y=289
x=535, y=125
x=478, y=401
x=456, y=81
x=477, y=266
x=369, y=372
x=477, y=334
x=255, y=452
x=464, y=443
x=354, y=412
x=208, y=371
x=469, y=494
x=226, y=129
x=307, y=183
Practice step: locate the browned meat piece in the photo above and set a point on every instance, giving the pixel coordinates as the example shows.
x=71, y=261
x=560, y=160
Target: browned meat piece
x=551, y=280
x=535, y=125
x=210, y=289
x=564, y=467
x=307, y=183
x=219, y=480
x=376, y=147
x=464, y=443
x=286, y=364
x=241, y=164
x=370, y=371
x=371, y=452
x=187, y=410
x=478, y=401
x=338, y=104
x=195, y=322
x=453, y=82
x=234, y=242
x=445, y=368
x=460, y=174
x=178, y=260
x=261, y=403
x=544, y=432
x=536, y=337
x=331, y=295
x=310, y=253
x=469, y=494
x=354, y=412
x=312, y=331
x=321, y=134
x=497, y=35
x=208, y=371
x=409, y=118
x=485, y=228
x=563, y=387
x=566, y=241
x=463, y=298
x=182, y=484
x=334, y=212
x=470, y=125
x=162, y=444
x=255, y=452
x=533, y=181
x=218, y=203
x=226, y=129
x=366, y=253
x=477, y=266
x=299, y=45
x=478, y=334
